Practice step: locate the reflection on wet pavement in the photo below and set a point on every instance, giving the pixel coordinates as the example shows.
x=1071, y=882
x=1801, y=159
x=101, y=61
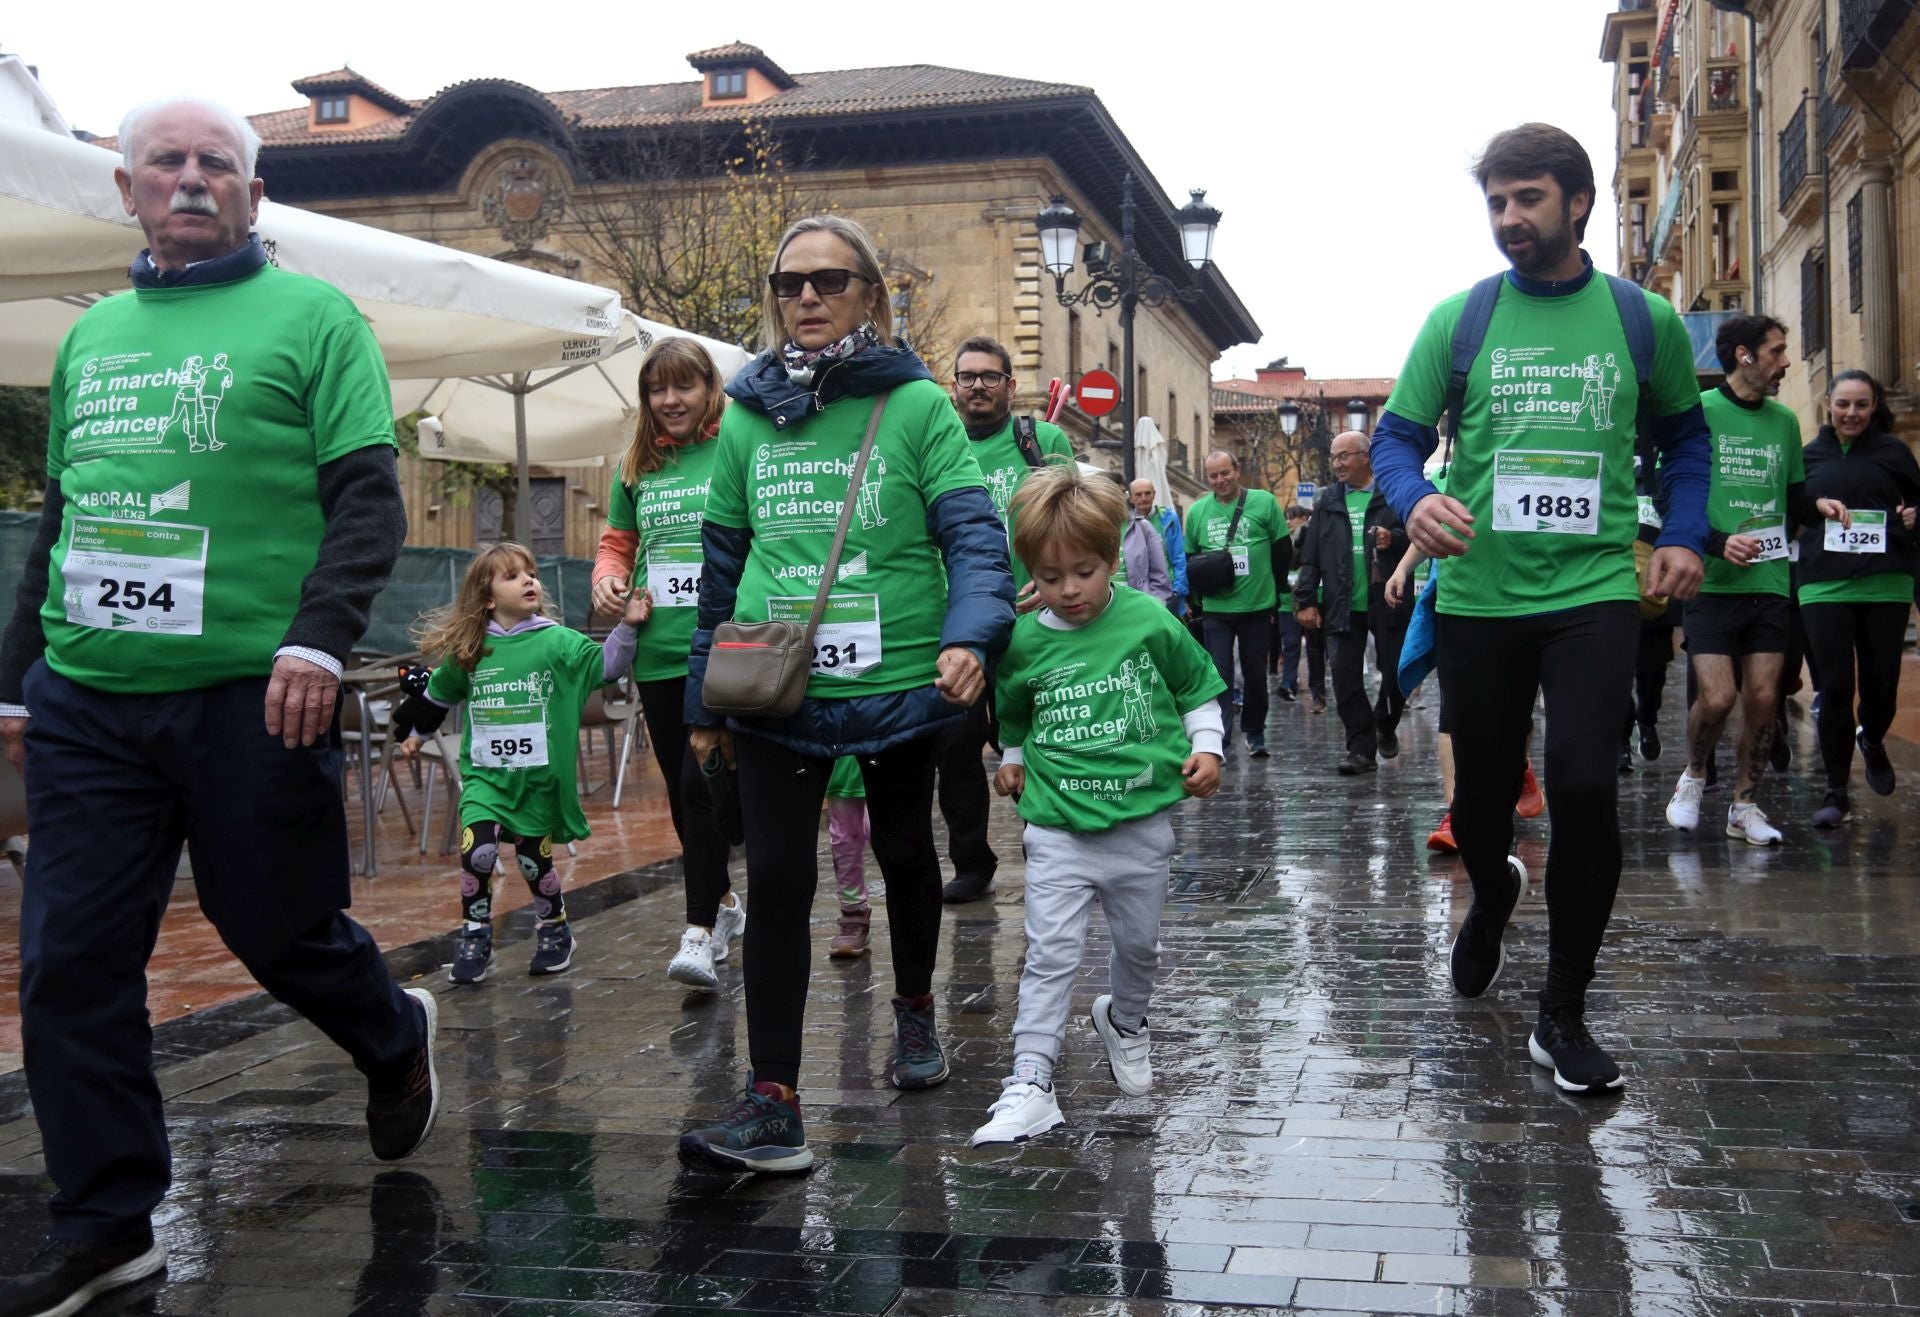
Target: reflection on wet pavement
x=1330, y=1130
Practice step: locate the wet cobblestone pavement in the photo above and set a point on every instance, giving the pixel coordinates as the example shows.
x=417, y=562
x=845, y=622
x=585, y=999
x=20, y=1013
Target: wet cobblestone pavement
x=1330, y=1131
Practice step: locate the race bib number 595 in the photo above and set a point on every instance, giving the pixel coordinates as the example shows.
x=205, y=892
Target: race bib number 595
x=135, y=575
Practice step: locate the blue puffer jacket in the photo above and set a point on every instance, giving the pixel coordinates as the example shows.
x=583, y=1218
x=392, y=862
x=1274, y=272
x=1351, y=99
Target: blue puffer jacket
x=972, y=540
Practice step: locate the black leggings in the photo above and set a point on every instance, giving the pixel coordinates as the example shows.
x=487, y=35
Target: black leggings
x=703, y=851
x=1837, y=636
x=480, y=847
x=1490, y=670
x=780, y=797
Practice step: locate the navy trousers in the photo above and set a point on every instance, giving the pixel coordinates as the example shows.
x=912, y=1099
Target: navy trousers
x=115, y=784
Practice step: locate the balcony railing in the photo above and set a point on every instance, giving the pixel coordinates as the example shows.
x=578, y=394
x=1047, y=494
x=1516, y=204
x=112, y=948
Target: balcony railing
x=1722, y=80
x=1793, y=155
x=1867, y=27
x=1833, y=116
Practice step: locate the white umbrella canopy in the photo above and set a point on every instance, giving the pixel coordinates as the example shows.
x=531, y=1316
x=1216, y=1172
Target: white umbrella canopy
x=65, y=240
x=568, y=415
x=1150, y=457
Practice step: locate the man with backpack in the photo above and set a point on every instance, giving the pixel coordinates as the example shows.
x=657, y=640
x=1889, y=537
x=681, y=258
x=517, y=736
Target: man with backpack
x=1009, y=449
x=1540, y=514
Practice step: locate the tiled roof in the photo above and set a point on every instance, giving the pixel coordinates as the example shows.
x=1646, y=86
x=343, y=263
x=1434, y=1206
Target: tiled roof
x=834, y=92
x=1301, y=386
x=733, y=50
x=346, y=79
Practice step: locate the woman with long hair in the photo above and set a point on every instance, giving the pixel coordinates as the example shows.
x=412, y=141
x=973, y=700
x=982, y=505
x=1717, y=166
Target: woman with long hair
x=1856, y=582
x=922, y=600
x=658, y=501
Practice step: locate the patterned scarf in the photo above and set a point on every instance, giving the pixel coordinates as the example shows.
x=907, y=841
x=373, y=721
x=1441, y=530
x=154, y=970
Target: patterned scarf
x=801, y=363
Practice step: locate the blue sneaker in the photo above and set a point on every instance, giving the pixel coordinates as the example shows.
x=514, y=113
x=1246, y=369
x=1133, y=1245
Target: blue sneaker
x=763, y=1135
x=918, y=1061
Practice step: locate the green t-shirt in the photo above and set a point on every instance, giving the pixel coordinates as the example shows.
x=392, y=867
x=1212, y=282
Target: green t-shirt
x=1005, y=469
x=188, y=425
x=517, y=751
x=1096, y=712
x=1756, y=455
x=1544, y=461
x=1880, y=588
x=846, y=781
x=881, y=630
x=666, y=510
x=1261, y=525
x=1357, y=500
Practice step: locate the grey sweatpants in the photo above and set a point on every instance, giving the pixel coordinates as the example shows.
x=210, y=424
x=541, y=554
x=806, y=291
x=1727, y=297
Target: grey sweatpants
x=1126, y=869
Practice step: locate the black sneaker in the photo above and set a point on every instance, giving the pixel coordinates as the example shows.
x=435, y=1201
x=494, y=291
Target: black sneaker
x=552, y=947
x=1873, y=757
x=400, y=1115
x=918, y=1061
x=1389, y=745
x=1284, y=694
x=65, y=1275
x=472, y=956
x=1479, y=950
x=1649, y=741
x=1355, y=765
x=1561, y=1043
x=1257, y=746
x=1780, y=754
x=1626, y=758
x=1833, y=812
x=763, y=1134
x=967, y=887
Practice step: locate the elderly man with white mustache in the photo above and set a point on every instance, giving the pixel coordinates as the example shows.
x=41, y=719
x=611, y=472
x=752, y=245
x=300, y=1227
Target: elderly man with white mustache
x=221, y=508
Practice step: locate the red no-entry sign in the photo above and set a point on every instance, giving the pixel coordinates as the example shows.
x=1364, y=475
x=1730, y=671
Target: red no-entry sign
x=1097, y=393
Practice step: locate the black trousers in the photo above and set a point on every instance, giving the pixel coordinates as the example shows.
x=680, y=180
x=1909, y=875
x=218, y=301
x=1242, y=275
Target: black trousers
x=703, y=851
x=1249, y=631
x=780, y=798
x=1365, y=723
x=964, y=799
x=1490, y=671
x=1841, y=637
x=115, y=784
x=1652, y=656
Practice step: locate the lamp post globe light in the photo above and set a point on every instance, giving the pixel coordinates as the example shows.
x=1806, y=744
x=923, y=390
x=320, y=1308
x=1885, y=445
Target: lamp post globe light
x=1357, y=415
x=1124, y=280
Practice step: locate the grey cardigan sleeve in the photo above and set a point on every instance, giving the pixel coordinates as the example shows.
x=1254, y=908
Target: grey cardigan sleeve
x=25, y=641
x=366, y=524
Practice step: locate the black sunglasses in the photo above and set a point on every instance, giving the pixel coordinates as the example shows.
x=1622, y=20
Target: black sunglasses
x=786, y=284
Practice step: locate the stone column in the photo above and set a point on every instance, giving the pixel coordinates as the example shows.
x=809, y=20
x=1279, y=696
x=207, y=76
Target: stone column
x=1879, y=307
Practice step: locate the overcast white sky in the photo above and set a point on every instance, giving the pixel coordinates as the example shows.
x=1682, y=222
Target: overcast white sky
x=1335, y=135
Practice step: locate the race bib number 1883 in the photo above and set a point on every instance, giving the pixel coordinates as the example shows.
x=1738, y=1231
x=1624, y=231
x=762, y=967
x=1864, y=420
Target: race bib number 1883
x=1557, y=493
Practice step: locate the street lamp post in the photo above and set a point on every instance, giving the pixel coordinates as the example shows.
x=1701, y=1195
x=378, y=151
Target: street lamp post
x=1126, y=281
x=1319, y=427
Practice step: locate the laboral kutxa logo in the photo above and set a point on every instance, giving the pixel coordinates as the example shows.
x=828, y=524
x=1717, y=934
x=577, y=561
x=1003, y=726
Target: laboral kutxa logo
x=129, y=505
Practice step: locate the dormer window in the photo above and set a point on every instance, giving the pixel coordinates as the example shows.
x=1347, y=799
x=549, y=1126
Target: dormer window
x=330, y=109
x=727, y=84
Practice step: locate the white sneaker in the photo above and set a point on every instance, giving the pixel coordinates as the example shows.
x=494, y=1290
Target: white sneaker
x=694, y=962
x=1750, y=825
x=1127, y=1054
x=1023, y=1111
x=729, y=924
x=1683, y=811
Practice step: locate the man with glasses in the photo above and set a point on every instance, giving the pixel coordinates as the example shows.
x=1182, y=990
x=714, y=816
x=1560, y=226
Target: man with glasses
x=1008, y=448
x=1352, y=545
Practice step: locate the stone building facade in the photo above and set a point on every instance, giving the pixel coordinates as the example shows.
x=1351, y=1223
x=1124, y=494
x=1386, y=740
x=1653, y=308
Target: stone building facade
x=948, y=167
x=1826, y=93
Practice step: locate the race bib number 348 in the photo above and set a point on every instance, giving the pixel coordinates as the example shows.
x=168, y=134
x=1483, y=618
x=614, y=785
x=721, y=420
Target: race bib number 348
x=1555, y=493
x=135, y=575
x=673, y=575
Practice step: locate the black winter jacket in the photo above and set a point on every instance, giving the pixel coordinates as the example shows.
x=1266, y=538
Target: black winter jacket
x=1326, y=558
x=1878, y=472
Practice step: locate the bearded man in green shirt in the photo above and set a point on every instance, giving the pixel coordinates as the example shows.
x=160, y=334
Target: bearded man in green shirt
x=1744, y=612
x=171, y=674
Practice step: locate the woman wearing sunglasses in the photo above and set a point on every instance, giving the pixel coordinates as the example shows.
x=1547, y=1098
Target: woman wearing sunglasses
x=922, y=600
